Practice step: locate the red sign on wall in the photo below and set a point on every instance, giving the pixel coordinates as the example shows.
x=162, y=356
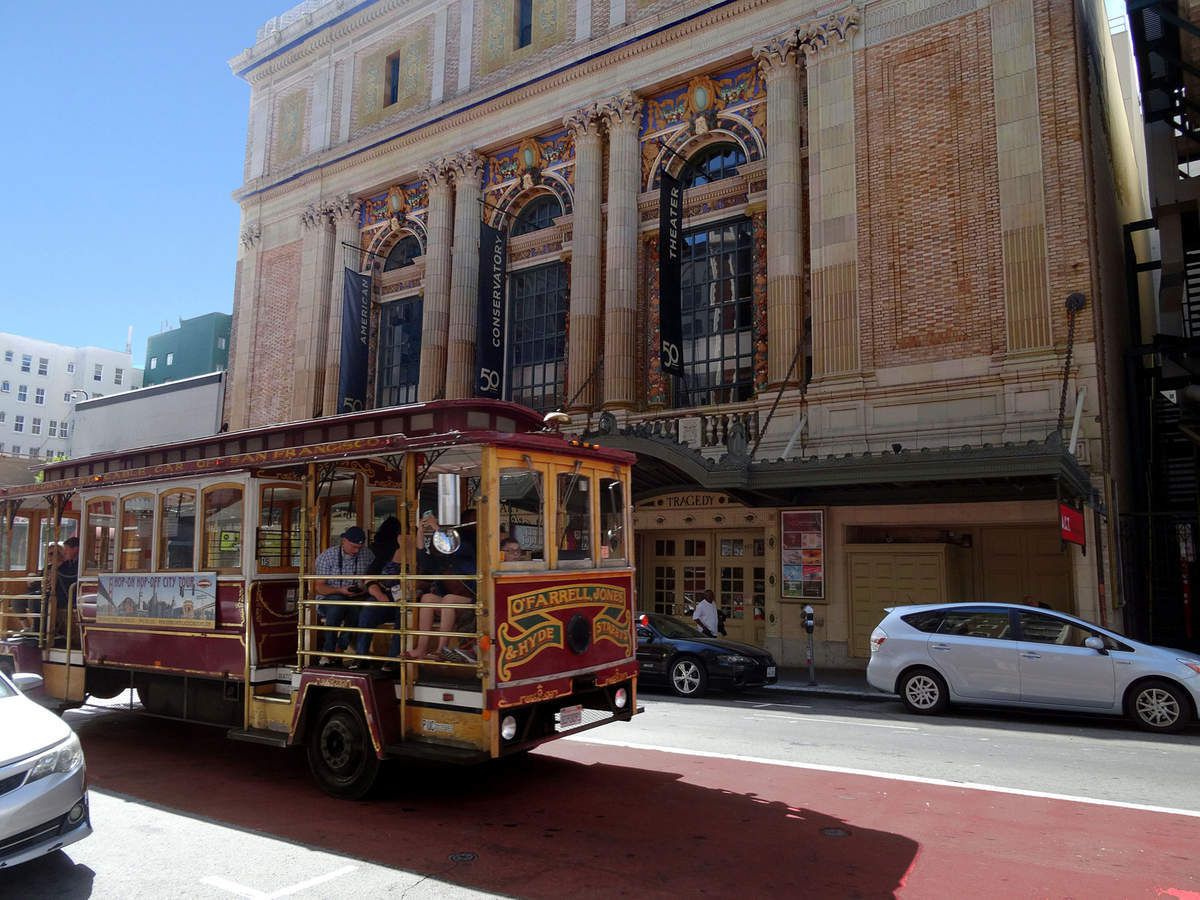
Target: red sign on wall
x=1071, y=524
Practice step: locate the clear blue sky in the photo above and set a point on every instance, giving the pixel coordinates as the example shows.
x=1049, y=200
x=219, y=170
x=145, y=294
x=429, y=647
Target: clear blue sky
x=124, y=135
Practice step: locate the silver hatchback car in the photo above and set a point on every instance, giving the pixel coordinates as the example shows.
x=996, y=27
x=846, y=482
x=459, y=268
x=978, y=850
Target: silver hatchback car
x=1009, y=655
x=43, y=789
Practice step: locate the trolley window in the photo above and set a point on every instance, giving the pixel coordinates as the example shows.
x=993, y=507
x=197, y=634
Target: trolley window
x=100, y=533
x=612, y=522
x=177, y=529
x=222, y=548
x=522, y=516
x=137, y=533
x=278, y=539
x=14, y=553
x=573, y=518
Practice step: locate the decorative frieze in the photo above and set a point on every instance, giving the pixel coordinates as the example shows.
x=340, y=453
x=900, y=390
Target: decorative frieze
x=251, y=235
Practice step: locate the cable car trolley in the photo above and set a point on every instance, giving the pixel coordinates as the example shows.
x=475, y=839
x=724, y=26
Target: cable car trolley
x=449, y=580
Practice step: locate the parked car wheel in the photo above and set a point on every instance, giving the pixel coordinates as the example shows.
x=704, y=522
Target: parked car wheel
x=340, y=753
x=924, y=691
x=688, y=678
x=1158, y=706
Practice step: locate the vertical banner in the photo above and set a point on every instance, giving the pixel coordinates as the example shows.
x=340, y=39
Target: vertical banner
x=670, y=247
x=356, y=331
x=489, y=334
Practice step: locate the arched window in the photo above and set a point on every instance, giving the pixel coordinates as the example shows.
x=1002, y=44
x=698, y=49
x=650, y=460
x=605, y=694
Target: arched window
x=399, y=355
x=713, y=163
x=539, y=213
x=406, y=250
x=718, y=314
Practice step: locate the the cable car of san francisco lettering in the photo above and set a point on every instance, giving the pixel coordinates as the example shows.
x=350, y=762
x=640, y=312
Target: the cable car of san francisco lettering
x=197, y=591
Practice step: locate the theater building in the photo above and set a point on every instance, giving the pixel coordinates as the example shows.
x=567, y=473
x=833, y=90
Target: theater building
x=901, y=287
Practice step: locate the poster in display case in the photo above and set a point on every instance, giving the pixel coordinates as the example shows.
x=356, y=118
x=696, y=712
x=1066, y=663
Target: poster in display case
x=802, y=535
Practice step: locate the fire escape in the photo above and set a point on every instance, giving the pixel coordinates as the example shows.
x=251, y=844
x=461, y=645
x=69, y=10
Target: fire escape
x=1159, y=537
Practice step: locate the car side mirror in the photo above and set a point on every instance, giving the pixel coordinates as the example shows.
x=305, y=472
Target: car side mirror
x=1095, y=643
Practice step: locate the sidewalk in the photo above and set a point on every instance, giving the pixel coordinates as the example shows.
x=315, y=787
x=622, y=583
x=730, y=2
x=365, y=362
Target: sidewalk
x=830, y=682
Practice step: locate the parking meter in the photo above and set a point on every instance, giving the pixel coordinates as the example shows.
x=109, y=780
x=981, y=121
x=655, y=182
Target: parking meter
x=809, y=625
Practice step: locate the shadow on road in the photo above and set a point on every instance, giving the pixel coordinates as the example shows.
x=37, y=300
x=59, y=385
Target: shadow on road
x=536, y=826
x=71, y=880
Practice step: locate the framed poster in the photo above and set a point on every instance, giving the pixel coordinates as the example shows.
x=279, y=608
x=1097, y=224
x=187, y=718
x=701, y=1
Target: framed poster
x=143, y=599
x=802, y=556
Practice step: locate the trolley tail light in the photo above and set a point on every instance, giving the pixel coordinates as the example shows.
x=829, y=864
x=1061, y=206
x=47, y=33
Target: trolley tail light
x=878, y=636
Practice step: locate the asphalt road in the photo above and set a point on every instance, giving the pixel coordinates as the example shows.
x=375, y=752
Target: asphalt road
x=764, y=795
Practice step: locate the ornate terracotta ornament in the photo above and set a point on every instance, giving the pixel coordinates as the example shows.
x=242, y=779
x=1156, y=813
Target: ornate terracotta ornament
x=397, y=205
x=529, y=162
x=701, y=103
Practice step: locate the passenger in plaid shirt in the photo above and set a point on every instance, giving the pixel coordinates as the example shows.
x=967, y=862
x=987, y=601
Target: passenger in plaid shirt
x=349, y=557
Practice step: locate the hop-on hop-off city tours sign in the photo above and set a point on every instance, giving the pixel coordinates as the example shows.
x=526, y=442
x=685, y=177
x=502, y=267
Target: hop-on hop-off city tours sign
x=537, y=622
x=186, y=599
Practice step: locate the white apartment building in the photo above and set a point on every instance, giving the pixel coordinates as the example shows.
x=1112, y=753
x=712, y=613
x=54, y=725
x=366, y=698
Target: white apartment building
x=41, y=382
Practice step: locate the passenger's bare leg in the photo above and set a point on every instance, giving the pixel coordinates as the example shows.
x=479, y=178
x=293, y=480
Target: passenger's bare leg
x=424, y=623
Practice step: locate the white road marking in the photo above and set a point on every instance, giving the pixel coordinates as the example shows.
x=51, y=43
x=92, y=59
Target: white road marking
x=242, y=891
x=917, y=779
x=801, y=720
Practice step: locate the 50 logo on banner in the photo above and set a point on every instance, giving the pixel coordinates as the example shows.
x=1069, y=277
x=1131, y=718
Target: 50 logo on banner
x=489, y=381
x=670, y=355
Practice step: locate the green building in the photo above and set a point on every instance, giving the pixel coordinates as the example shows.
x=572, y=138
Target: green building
x=196, y=347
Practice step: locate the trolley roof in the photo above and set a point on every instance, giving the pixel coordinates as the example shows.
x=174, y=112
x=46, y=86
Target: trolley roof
x=378, y=432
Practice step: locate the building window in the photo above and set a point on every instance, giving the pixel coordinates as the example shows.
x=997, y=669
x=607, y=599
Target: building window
x=537, y=336
x=1, y=446
x=718, y=314
x=3, y=416
x=26, y=362
x=53, y=432
x=406, y=250
x=712, y=164
x=153, y=363
x=16, y=450
x=43, y=365
x=5, y=387
x=221, y=342
x=33, y=452
x=23, y=393
x=536, y=215
x=170, y=359
x=8, y=356
x=98, y=372
x=66, y=396
x=39, y=396
x=18, y=423
x=118, y=376
x=49, y=454
x=35, y=427
x=71, y=368
x=524, y=23
x=399, y=352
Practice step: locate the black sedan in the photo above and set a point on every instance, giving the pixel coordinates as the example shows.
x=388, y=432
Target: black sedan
x=674, y=653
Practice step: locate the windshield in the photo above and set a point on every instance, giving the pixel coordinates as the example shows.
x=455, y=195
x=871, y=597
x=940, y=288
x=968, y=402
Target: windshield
x=673, y=628
x=5, y=690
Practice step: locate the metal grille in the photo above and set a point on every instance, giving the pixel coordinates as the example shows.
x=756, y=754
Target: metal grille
x=537, y=336
x=399, y=352
x=718, y=314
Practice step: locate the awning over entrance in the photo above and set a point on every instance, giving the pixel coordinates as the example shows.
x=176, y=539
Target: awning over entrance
x=1028, y=471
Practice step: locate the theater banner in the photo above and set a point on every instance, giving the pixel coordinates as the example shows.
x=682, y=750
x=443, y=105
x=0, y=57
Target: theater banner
x=489, y=334
x=670, y=267
x=356, y=334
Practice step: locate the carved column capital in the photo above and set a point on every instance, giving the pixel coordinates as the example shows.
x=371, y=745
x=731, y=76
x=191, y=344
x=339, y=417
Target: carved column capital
x=314, y=215
x=437, y=172
x=343, y=208
x=777, y=54
x=586, y=121
x=467, y=167
x=833, y=29
x=622, y=110
x=251, y=235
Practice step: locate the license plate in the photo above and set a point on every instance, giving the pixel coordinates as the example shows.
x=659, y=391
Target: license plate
x=770, y=671
x=570, y=716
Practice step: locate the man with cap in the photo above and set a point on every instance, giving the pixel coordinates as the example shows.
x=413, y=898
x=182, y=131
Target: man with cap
x=347, y=557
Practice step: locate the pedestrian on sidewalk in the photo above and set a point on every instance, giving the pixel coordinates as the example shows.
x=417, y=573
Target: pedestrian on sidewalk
x=706, y=614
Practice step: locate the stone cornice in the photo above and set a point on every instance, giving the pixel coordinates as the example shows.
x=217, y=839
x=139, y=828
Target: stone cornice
x=479, y=105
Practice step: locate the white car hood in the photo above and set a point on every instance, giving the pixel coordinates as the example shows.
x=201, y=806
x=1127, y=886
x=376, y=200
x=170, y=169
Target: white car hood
x=26, y=729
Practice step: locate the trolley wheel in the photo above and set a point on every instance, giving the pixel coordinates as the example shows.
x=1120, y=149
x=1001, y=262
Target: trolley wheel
x=924, y=691
x=1158, y=706
x=688, y=677
x=341, y=756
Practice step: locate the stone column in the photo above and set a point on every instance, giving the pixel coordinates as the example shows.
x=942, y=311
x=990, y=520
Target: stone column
x=785, y=238
x=622, y=115
x=464, y=282
x=435, y=318
x=241, y=345
x=832, y=195
x=311, y=323
x=583, y=349
x=344, y=212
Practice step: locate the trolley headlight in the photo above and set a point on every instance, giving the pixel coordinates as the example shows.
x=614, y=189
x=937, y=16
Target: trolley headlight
x=620, y=698
x=66, y=757
x=508, y=728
